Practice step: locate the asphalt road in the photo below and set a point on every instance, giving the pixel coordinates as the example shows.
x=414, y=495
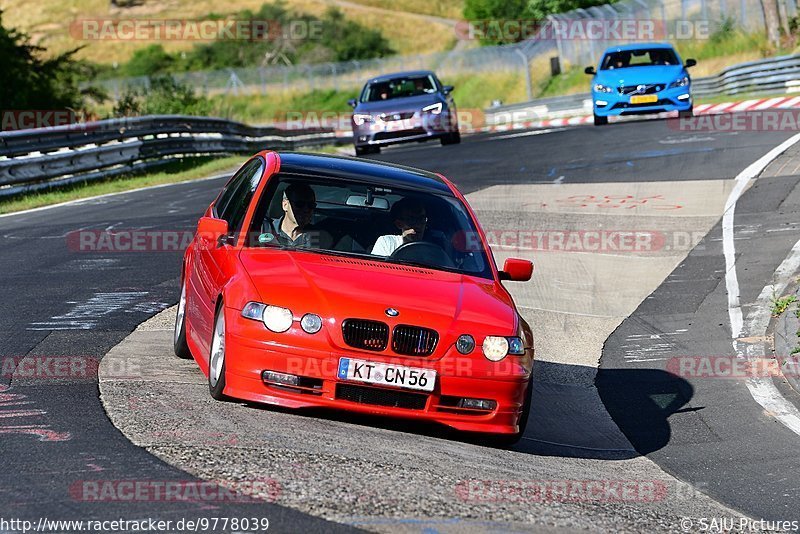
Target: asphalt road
x=61, y=302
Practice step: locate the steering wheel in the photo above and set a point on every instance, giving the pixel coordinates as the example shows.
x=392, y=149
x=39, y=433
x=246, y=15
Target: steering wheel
x=423, y=252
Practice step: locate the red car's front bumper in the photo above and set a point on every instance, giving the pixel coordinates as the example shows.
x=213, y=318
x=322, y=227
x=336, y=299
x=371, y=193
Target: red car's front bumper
x=458, y=376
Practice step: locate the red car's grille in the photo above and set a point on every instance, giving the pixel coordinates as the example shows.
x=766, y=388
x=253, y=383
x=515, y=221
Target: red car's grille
x=363, y=334
x=381, y=397
x=414, y=340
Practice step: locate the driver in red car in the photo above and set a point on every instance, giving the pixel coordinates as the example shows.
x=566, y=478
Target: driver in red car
x=295, y=228
x=410, y=218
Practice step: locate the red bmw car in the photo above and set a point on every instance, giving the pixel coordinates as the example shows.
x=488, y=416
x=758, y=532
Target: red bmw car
x=322, y=281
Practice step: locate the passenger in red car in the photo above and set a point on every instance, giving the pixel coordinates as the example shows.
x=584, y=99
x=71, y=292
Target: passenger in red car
x=410, y=218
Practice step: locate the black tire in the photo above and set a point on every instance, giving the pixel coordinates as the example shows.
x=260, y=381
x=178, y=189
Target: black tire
x=686, y=114
x=180, y=346
x=600, y=121
x=451, y=138
x=216, y=384
x=507, y=440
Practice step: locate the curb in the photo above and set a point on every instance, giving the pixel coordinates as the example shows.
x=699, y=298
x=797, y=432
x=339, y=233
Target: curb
x=784, y=330
x=702, y=109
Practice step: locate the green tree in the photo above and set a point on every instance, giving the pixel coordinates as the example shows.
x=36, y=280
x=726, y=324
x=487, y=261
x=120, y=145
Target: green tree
x=33, y=82
x=149, y=61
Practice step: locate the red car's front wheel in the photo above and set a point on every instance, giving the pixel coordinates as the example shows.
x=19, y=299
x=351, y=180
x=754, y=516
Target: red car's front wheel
x=216, y=359
x=180, y=346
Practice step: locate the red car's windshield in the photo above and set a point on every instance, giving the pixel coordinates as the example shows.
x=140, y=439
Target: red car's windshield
x=359, y=219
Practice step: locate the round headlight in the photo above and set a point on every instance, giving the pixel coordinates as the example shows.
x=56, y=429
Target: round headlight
x=277, y=319
x=465, y=344
x=495, y=348
x=311, y=323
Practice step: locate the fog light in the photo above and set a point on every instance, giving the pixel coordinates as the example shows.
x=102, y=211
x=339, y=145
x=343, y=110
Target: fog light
x=465, y=344
x=280, y=378
x=477, y=404
x=311, y=323
x=601, y=103
x=683, y=97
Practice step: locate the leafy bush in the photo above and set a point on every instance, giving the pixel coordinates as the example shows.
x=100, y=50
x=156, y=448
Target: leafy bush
x=165, y=96
x=149, y=61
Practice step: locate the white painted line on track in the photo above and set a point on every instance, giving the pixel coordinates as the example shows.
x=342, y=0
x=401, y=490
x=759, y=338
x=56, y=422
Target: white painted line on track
x=763, y=390
x=107, y=195
x=526, y=134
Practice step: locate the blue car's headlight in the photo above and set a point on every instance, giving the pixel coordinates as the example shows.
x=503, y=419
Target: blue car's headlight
x=600, y=88
x=680, y=82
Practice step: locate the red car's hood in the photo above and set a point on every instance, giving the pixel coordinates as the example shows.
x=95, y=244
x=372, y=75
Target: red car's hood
x=345, y=287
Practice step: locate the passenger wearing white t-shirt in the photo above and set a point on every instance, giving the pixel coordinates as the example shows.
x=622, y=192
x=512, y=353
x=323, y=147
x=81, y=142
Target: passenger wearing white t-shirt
x=410, y=219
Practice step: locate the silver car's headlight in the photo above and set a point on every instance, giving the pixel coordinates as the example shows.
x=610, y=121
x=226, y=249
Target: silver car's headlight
x=680, y=82
x=433, y=108
x=361, y=118
x=600, y=88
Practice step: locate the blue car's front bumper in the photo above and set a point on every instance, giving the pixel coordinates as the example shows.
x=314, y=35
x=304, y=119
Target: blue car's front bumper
x=674, y=99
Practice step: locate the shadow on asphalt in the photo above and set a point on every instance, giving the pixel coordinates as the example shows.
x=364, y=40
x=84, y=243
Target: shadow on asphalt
x=568, y=418
x=640, y=402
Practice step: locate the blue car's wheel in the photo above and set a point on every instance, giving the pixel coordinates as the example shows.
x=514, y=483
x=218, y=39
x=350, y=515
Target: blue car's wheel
x=599, y=121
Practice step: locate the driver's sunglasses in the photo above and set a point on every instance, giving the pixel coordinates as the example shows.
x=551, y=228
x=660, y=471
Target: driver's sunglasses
x=303, y=204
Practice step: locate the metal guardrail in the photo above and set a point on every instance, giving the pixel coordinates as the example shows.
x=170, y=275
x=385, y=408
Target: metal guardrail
x=766, y=76
x=32, y=160
x=763, y=76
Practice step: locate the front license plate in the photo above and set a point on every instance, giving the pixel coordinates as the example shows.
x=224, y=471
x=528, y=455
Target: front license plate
x=386, y=375
x=644, y=99
x=397, y=126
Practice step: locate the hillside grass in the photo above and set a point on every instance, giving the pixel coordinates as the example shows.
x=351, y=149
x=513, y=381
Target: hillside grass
x=48, y=22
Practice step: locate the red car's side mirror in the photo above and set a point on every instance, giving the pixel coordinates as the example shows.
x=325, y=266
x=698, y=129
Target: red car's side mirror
x=210, y=230
x=517, y=270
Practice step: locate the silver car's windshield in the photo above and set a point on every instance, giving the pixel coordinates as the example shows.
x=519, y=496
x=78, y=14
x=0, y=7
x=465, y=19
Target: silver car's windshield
x=400, y=87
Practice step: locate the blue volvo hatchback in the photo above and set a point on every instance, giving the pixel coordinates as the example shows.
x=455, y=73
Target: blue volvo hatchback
x=640, y=78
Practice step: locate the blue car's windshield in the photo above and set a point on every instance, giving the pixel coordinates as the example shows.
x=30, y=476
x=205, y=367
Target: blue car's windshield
x=399, y=88
x=643, y=57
